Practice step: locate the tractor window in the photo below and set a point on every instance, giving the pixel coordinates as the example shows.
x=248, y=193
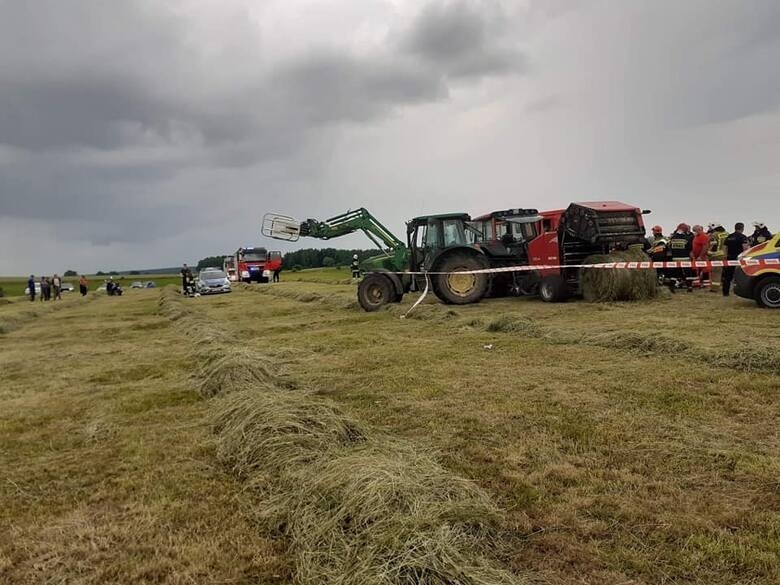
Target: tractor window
x=527, y=230
x=454, y=234
x=474, y=232
x=419, y=237
x=433, y=235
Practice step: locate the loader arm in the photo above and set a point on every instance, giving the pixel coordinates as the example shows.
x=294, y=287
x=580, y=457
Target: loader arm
x=350, y=222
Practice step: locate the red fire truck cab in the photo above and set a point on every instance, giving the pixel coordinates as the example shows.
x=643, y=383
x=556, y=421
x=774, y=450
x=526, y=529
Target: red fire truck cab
x=256, y=264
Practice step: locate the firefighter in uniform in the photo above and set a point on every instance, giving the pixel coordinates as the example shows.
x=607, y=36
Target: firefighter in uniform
x=355, y=267
x=717, y=251
x=680, y=247
x=760, y=234
x=657, y=245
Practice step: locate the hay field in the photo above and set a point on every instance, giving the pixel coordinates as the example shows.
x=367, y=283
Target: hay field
x=593, y=443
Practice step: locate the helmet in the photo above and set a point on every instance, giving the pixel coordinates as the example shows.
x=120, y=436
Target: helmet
x=713, y=225
x=355, y=257
x=759, y=225
x=683, y=227
x=657, y=229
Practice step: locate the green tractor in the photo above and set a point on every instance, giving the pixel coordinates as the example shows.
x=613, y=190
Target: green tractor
x=435, y=244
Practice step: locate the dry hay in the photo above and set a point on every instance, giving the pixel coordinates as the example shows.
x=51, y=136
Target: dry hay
x=227, y=368
x=746, y=359
x=640, y=342
x=272, y=432
x=358, y=510
x=600, y=285
x=511, y=324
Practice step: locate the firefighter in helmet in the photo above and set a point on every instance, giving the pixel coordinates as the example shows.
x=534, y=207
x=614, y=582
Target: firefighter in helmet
x=760, y=234
x=680, y=247
x=355, y=266
x=716, y=252
x=657, y=244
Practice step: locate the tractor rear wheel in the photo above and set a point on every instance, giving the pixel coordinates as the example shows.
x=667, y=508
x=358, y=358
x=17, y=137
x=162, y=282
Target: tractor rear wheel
x=461, y=289
x=553, y=289
x=374, y=291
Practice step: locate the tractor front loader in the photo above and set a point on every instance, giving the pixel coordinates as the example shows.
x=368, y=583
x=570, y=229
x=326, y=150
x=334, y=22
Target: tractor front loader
x=435, y=243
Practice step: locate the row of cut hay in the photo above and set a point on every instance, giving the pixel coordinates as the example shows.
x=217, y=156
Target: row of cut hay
x=222, y=363
x=356, y=508
x=618, y=284
x=332, y=299
x=757, y=359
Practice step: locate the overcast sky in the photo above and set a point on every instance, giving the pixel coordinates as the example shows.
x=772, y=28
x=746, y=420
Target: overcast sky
x=147, y=133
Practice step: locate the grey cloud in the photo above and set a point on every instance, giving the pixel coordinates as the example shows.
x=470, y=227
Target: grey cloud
x=543, y=104
x=334, y=87
x=465, y=39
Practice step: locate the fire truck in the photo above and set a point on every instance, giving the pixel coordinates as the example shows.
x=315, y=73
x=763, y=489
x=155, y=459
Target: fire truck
x=256, y=264
x=229, y=267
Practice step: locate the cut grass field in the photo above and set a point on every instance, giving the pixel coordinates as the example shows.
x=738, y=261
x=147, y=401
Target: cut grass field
x=619, y=443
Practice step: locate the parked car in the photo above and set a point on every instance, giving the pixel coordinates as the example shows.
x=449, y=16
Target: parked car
x=137, y=284
x=760, y=283
x=150, y=284
x=67, y=287
x=37, y=290
x=212, y=281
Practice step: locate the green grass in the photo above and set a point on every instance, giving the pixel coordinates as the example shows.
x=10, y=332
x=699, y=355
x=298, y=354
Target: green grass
x=622, y=442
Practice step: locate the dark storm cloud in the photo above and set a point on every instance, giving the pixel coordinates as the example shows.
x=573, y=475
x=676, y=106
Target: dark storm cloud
x=465, y=39
x=106, y=102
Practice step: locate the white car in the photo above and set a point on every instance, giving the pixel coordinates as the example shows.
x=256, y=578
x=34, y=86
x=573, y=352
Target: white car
x=212, y=281
x=37, y=289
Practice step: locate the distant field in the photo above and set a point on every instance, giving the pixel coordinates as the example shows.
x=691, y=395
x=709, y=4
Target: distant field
x=621, y=443
x=13, y=286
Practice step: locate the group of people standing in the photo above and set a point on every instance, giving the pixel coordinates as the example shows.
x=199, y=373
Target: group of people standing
x=696, y=244
x=50, y=288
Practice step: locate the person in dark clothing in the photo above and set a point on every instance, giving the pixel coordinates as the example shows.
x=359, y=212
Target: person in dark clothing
x=276, y=274
x=760, y=234
x=680, y=247
x=355, y=267
x=736, y=243
x=45, y=289
x=83, y=283
x=186, y=279
x=31, y=287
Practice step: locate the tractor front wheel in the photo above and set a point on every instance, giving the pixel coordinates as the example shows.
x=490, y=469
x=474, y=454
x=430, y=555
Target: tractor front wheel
x=461, y=289
x=374, y=291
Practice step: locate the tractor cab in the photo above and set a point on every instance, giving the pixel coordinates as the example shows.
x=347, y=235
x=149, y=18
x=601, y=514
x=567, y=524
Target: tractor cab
x=506, y=233
x=430, y=235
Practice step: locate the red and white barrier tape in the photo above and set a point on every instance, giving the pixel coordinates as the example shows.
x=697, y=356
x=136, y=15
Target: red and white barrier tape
x=620, y=265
